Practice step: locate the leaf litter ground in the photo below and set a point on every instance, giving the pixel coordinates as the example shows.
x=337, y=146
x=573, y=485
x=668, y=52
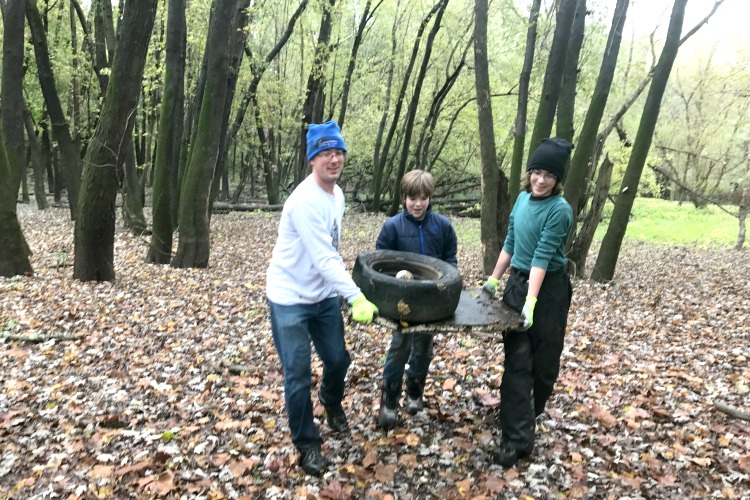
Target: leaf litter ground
x=165, y=383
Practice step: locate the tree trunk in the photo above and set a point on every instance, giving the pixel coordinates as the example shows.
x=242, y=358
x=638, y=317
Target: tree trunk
x=95, y=227
x=567, y=102
x=366, y=16
x=545, y=114
x=69, y=153
x=744, y=208
x=377, y=165
x=132, y=202
x=604, y=268
x=412, y=111
x=236, y=45
x=312, y=109
x=580, y=249
x=519, y=131
x=12, y=90
x=576, y=179
x=170, y=137
x=14, y=251
x=194, y=244
x=492, y=199
x=37, y=160
x=383, y=154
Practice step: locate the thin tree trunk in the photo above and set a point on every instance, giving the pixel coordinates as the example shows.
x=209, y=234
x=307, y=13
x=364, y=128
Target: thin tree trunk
x=377, y=165
x=545, y=115
x=519, y=131
x=170, y=137
x=68, y=151
x=580, y=249
x=380, y=167
x=194, y=245
x=366, y=16
x=412, y=111
x=12, y=90
x=575, y=181
x=95, y=228
x=312, y=109
x=606, y=261
x=567, y=102
x=37, y=160
x=492, y=199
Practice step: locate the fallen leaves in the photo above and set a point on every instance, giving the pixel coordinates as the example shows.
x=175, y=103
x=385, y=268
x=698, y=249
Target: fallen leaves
x=169, y=384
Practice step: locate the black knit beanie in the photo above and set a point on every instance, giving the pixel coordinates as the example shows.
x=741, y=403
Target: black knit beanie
x=552, y=155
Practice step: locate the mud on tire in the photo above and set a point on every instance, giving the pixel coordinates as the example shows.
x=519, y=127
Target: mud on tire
x=432, y=294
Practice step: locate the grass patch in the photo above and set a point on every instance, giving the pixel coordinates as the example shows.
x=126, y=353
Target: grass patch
x=655, y=221
x=660, y=221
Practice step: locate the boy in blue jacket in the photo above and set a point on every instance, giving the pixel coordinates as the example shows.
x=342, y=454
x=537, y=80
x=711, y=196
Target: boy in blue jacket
x=417, y=229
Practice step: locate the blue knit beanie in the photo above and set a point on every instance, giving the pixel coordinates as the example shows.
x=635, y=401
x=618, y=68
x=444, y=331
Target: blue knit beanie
x=552, y=155
x=322, y=136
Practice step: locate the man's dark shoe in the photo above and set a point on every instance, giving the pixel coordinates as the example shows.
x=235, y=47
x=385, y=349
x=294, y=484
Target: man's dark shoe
x=312, y=461
x=507, y=455
x=337, y=418
x=388, y=414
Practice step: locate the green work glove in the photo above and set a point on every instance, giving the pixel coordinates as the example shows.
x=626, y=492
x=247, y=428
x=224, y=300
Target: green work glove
x=490, y=286
x=363, y=310
x=527, y=313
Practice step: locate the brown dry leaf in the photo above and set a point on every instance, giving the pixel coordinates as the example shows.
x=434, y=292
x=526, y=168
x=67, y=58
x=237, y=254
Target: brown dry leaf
x=384, y=473
x=162, y=485
x=370, y=459
x=449, y=384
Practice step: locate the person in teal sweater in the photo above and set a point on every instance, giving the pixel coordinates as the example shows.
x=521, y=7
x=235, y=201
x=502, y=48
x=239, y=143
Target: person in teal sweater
x=539, y=289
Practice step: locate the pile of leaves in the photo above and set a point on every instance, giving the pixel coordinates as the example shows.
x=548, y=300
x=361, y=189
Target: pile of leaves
x=165, y=383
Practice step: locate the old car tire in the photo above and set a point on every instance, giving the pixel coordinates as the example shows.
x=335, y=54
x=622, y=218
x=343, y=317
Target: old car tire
x=432, y=294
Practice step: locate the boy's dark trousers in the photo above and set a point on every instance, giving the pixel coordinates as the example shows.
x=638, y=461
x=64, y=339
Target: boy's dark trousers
x=532, y=357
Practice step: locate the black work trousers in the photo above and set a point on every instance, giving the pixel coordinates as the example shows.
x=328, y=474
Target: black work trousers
x=532, y=357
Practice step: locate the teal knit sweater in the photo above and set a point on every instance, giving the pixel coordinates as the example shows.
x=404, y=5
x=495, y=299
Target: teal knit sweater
x=538, y=232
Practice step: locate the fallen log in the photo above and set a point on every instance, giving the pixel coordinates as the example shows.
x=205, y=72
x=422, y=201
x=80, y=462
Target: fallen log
x=732, y=412
x=243, y=207
x=38, y=338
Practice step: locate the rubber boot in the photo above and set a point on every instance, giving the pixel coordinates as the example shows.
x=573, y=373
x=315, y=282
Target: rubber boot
x=388, y=415
x=414, y=391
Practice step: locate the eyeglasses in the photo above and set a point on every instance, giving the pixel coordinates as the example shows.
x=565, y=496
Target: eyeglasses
x=331, y=153
x=544, y=174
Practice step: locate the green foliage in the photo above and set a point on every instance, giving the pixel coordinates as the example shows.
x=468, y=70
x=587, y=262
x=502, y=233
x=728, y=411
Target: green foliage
x=670, y=222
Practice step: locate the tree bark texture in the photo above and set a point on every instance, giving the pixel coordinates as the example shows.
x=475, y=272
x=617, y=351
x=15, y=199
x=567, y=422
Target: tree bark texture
x=412, y=111
x=567, y=102
x=606, y=261
x=312, y=109
x=14, y=251
x=37, y=160
x=545, y=114
x=487, y=150
x=69, y=153
x=170, y=136
x=12, y=90
x=519, y=131
x=580, y=249
x=95, y=226
x=576, y=179
x=384, y=153
x=194, y=247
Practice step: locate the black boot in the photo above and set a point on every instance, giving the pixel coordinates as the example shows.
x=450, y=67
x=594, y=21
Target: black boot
x=312, y=461
x=414, y=391
x=336, y=418
x=388, y=415
x=507, y=454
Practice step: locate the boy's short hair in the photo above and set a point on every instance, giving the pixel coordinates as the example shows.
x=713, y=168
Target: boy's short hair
x=417, y=183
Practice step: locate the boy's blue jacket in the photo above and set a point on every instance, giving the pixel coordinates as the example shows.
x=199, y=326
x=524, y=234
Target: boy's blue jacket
x=432, y=236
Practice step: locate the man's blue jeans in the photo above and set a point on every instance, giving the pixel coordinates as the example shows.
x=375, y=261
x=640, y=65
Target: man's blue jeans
x=293, y=328
x=414, y=348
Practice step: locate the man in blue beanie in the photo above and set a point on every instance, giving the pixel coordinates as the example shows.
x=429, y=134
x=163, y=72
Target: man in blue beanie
x=304, y=279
